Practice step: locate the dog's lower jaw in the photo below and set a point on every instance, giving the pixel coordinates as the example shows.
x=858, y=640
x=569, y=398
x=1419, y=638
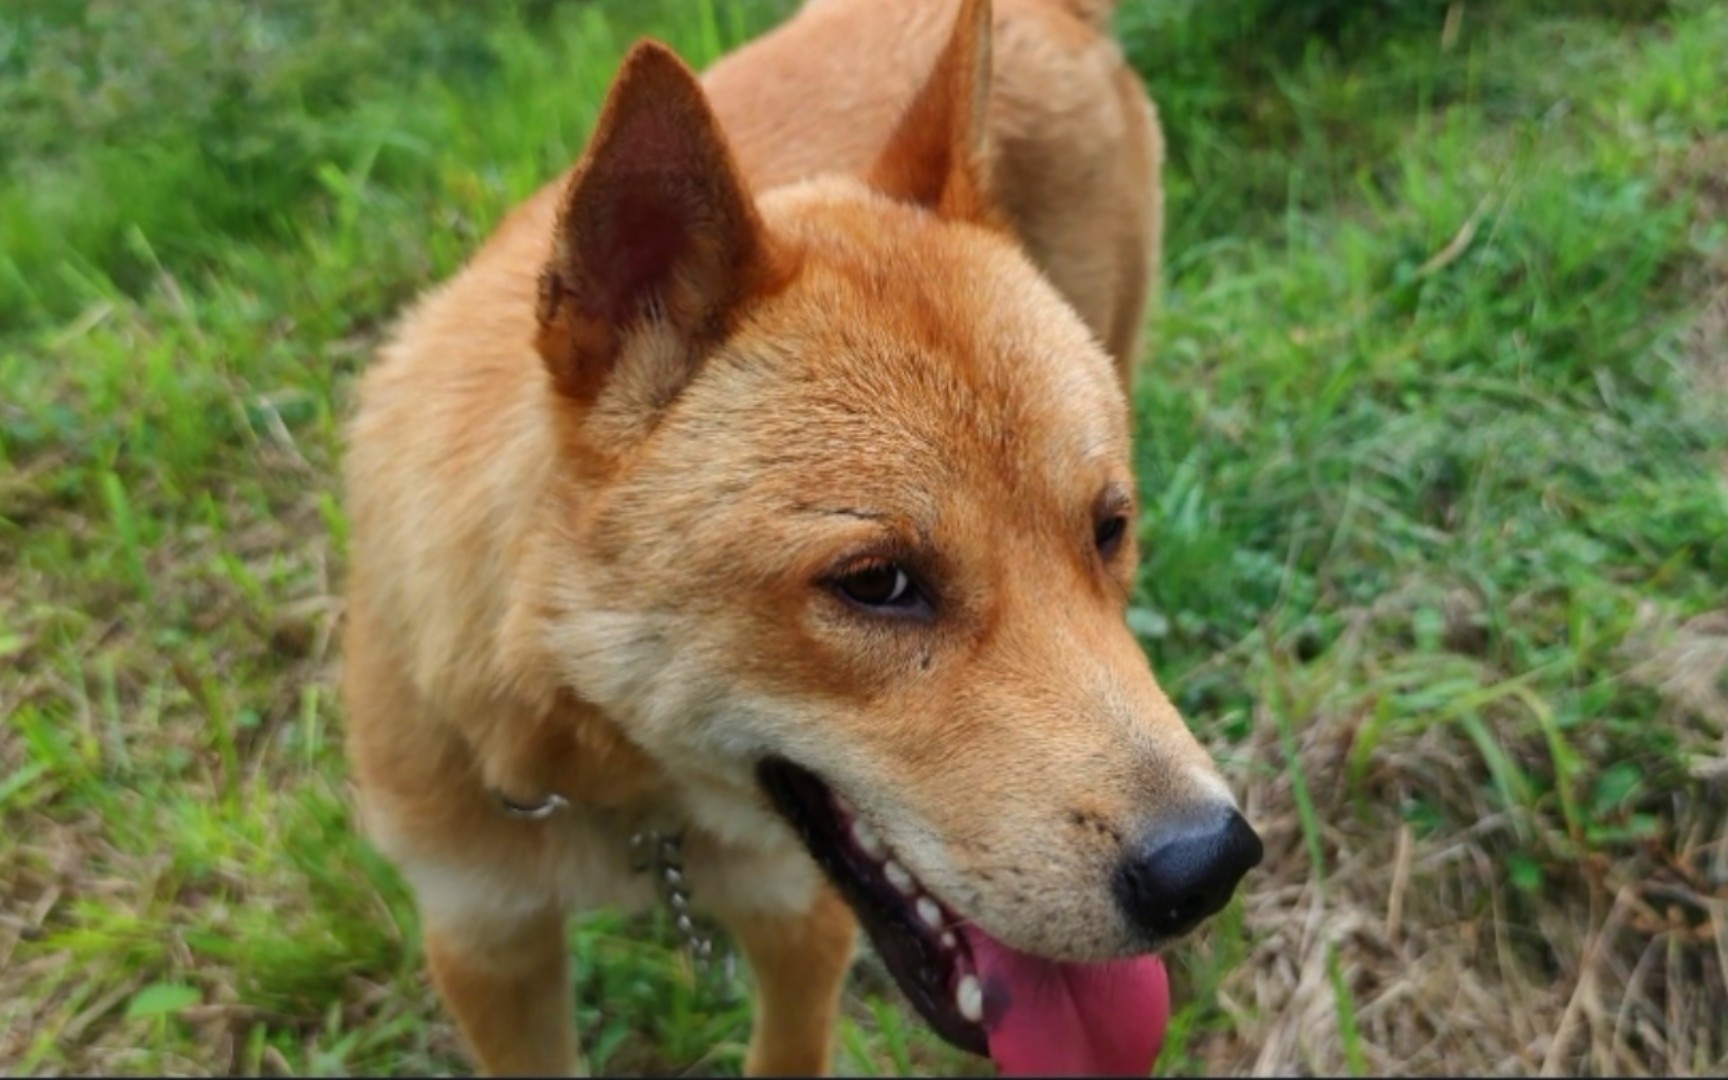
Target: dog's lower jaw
x=927, y=960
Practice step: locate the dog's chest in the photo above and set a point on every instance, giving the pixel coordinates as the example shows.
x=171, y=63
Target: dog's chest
x=723, y=862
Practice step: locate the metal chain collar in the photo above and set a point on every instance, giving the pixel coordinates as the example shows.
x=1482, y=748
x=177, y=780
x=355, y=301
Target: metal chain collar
x=539, y=811
x=662, y=854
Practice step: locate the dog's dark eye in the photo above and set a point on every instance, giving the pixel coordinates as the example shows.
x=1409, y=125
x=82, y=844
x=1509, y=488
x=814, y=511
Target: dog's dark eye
x=1108, y=535
x=882, y=587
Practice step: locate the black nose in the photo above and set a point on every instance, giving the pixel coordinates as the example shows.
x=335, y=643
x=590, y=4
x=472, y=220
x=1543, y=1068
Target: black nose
x=1178, y=874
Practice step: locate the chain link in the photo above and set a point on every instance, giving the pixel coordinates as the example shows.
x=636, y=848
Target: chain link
x=662, y=855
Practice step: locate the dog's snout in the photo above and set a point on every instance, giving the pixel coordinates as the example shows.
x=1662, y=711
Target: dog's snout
x=1177, y=875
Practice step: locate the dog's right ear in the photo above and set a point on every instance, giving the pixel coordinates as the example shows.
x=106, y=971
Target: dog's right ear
x=657, y=232
x=938, y=155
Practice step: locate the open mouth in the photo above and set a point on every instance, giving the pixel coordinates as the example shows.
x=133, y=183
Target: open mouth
x=915, y=934
x=1030, y=1015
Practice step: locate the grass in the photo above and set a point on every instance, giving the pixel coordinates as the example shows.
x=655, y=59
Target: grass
x=1433, y=442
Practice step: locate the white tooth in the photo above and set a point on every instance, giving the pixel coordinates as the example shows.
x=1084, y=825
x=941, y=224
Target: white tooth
x=867, y=840
x=970, y=997
x=930, y=913
x=948, y=941
x=840, y=801
x=898, y=877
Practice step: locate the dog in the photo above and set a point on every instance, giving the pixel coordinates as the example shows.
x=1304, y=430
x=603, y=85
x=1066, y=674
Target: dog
x=760, y=492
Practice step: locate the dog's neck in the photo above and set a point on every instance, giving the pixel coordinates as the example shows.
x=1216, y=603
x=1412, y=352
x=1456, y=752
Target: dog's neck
x=656, y=849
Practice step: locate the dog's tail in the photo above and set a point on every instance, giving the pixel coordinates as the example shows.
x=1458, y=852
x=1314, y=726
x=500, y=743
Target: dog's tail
x=1096, y=12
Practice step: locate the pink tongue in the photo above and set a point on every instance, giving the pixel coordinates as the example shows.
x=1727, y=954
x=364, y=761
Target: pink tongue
x=1045, y=1018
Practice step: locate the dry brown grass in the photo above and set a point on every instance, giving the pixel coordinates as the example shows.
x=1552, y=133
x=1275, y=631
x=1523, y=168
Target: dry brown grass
x=1616, y=968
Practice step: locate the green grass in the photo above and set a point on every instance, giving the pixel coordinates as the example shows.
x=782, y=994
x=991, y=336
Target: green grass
x=1433, y=440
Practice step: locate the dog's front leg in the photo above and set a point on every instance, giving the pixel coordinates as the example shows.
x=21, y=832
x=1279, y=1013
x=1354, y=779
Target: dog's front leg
x=800, y=964
x=507, y=984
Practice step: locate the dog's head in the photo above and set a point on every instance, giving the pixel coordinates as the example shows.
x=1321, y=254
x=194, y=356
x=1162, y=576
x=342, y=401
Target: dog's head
x=857, y=532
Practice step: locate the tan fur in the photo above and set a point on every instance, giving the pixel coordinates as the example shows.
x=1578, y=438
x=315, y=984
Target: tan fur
x=799, y=964
x=1075, y=146
x=509, y=989
x=594, y=512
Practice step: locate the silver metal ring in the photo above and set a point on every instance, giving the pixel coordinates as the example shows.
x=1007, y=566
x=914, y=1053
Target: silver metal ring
x=539, y=811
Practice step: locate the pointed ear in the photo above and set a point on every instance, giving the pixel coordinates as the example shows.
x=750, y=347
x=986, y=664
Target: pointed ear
x=938, y=155
x=657, y=230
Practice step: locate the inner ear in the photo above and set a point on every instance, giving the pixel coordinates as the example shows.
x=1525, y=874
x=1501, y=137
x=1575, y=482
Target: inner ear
x=652, y=236
x=938, y=154
x=657, y=226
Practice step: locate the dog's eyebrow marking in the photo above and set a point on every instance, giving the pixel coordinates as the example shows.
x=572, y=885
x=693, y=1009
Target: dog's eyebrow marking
x=1115, y=499
x=922, y=528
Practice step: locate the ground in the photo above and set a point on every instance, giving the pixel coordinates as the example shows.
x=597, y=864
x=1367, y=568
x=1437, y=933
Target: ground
x=1433, y=444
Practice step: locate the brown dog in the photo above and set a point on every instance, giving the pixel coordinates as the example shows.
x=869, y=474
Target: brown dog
x=752, y=485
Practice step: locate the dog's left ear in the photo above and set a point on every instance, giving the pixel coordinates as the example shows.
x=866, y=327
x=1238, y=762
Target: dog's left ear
x=938, y=155
x=657, y=235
